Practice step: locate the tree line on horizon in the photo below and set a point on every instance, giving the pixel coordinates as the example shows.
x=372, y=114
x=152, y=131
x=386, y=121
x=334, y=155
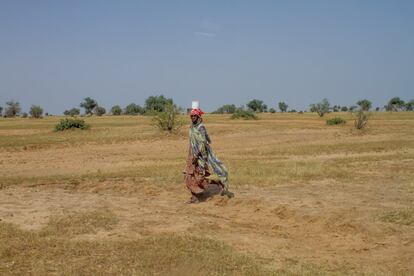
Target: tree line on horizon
x=157, y=104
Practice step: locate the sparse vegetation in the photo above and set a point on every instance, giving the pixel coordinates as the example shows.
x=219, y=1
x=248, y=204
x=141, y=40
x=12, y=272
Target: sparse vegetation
x=80, y=223
x=321, y=108
x=335, y=121
x=89, y=105
x=364, y=105
x=395, y=104
x=125, y=166
x=403, y=216
x=168, y=119
x=25, y=252
x=226, y=109
x=72, y=112
x=361, y=119
x=116, y=110
x=12, y=109
x=255, y=106
x=283, y=106
x=133, y=109
x=36, y=111
x=157, y=103
x=69, y=123
x=241, y=113
x=409, y=106
x=99, y=111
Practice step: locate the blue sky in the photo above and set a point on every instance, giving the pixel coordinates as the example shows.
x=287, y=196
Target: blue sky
x=55, y=53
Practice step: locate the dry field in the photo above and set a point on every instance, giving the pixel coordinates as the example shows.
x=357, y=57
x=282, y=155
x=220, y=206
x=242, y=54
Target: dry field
x=310, y=198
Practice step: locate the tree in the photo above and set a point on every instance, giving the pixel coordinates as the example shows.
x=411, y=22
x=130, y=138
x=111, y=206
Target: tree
x=283, y=106
x=335, y=108
x=157, y=103
x=89, y=105
x=12, y=109
x=99, y=110
x=395, y=104
x=257, y=106
x=272, y=110
x=344, y=109
x=361, y=119
x=168, y=118
x=352, y=108
x=133, y=109
x=321, y=108
x=116, y=110
x=365, y=104
x=226, y=109
x=1, y=110
x=36, y=111
x=409, y=106
x=72, y=112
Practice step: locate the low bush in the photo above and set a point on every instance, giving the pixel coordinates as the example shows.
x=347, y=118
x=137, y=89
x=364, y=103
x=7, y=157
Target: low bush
x=168, y=119
x=68, y=123
x=72, y=112
x=36, y=111
x=99, y=111
x=361, y=119
x=335, y=121
x=244, y=114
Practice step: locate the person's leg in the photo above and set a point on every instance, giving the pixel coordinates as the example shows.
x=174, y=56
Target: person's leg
x=226, y=192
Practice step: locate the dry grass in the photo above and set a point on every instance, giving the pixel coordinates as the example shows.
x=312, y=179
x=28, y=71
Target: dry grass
x=51, y=252
x=80, y=223
x=404, y=217
x=307, y=200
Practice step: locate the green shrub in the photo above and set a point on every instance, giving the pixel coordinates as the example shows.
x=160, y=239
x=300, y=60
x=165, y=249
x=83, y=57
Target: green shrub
x=168, y=119
x=361, y=119
x=226, y=109
x=36, y=111
x=12, y=109
x=116, y=110
x=72, y=112
x=133, y=109
x=321, y=108
x=335, y=121
x=69, y=123
x=99, y=110
x=244, y=114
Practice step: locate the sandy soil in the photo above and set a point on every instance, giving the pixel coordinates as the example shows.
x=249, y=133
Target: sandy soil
x=320, y=224
x=324, y=213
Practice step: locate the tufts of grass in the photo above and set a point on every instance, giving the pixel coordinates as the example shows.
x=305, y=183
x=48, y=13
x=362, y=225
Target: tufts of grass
x=403, y=216
x=335, y=121
x=25, y=252
x=80, y=223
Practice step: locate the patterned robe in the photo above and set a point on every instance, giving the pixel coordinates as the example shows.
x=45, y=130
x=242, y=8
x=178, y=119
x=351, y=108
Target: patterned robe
x=203, y=167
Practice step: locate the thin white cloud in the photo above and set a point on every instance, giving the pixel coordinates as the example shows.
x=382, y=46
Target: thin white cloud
x=204, y=34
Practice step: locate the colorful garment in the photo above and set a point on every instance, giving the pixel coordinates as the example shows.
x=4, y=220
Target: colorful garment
x=203, y=166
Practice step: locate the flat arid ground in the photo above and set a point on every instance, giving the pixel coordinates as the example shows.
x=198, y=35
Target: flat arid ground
x=310, y=198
